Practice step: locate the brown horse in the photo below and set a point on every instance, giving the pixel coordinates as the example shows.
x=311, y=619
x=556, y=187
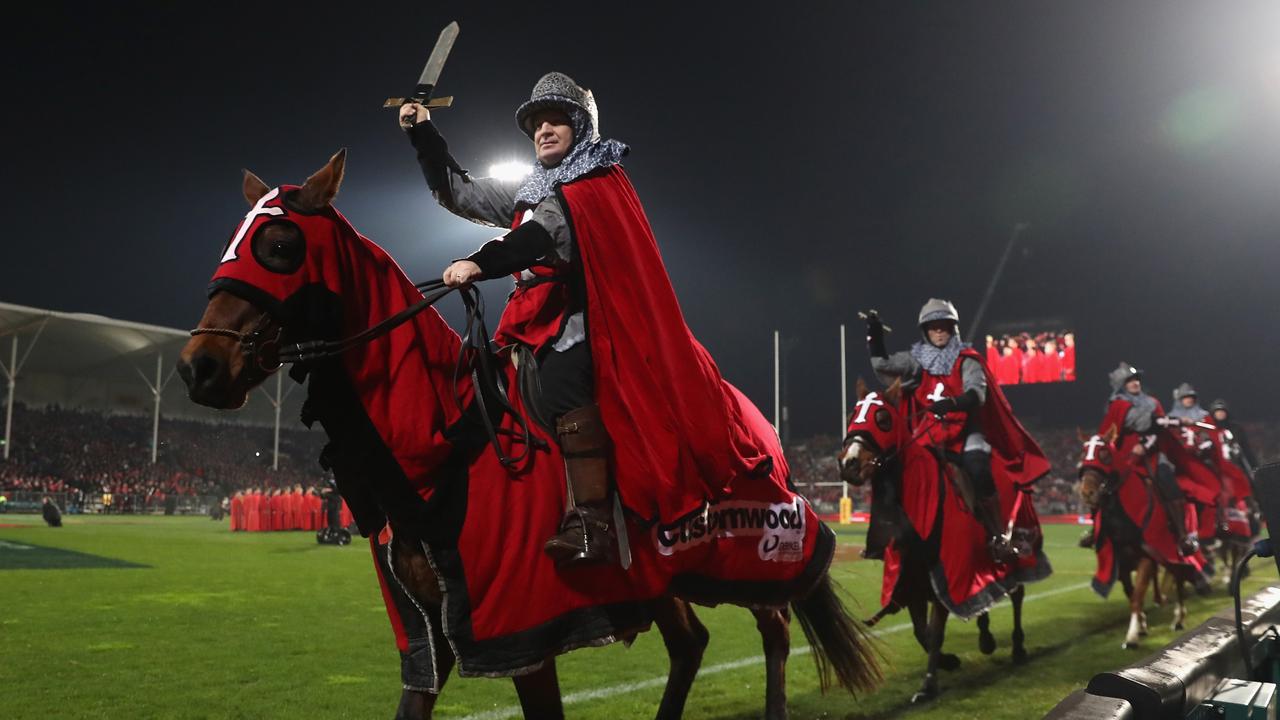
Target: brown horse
x=237, y=346
x=872, y=453
x=1131, y=534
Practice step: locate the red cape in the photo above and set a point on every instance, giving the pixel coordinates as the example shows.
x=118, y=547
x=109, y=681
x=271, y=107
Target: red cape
x=679, y=436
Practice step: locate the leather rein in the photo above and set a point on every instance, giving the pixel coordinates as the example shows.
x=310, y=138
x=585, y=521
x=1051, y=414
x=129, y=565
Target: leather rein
x=256, y=346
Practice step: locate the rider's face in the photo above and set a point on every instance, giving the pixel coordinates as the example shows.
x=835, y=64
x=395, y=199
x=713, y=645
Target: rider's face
x=1219, y=415
x=1189, y=401
x=1133, y=387
x=552, y=136
x=939, y=332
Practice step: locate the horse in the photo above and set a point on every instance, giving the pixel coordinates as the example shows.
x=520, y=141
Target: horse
x=296, y=276
x=878, y=449
x=1227, y=524
x=1131, y=533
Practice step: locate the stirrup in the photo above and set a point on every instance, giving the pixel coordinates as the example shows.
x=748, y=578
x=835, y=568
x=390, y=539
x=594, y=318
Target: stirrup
x=1002, y=550
x=583, y=540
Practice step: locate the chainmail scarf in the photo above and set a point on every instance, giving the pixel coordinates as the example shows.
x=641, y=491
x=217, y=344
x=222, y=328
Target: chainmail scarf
x=583, y=157
x=938, y=360
x=1195, y=413
x=1139, y=417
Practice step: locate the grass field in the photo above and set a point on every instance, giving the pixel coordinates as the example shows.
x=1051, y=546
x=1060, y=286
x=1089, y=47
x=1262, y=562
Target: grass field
x=179, y=618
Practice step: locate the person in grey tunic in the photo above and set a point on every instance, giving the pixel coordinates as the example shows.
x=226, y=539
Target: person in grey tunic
x=1186, y=405
x=936, y=355
x=562, y=121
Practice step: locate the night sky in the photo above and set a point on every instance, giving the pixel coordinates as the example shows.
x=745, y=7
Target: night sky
x=798, y=161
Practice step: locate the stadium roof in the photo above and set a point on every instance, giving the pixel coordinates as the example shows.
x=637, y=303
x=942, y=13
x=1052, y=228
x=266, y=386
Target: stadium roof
x=91, y=361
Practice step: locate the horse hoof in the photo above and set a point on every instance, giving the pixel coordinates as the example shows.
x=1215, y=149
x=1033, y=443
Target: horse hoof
x=1178, y=626
x=924, y=695
x=1020, y=656
x=1129, y=645
x=949, y=662
x=986, y=643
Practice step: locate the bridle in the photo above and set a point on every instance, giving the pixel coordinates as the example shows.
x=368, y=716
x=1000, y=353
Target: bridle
x=882, y=459
x=252, y=343
x=485, y=379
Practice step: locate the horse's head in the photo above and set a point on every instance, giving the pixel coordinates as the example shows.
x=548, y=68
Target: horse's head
x=282, y=251
x=875, y=429
x=1097, y=465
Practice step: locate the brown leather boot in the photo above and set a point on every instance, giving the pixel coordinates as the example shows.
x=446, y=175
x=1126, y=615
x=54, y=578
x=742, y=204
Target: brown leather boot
x=1002, y=550
x=586, y=534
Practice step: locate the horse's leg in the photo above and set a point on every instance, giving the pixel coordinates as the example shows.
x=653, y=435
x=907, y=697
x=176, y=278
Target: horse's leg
x=986, y=641
x=686, y=639
x=1179, y=607
x=1146, y=571
x=412, y=595
x=919, y=611
x=1019, y=639
x=937, y=633
x=775, y=631
x=539, y=692
x=418, y=703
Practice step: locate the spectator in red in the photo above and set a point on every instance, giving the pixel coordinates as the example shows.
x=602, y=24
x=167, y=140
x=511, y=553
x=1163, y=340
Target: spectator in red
x=1069, y=357
x=1030, y=364
x=1052, y=362
x=237, y=511
x=1007, y=368
x=993, y=353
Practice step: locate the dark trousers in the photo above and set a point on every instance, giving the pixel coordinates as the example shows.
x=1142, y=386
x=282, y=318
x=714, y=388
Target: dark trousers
x=568, y=381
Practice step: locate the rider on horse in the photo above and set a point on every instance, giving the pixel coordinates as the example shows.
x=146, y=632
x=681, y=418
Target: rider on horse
x=1186, y=406
x=950, y=380
x=1136, y=416
x=605, y=357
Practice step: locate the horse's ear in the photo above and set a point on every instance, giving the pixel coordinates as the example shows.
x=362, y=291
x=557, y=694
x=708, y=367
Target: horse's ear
x=860, y=388
x=320, y=189
x=1111, y=434
x=1080, y=434
x=253, y=188
x=894, y=392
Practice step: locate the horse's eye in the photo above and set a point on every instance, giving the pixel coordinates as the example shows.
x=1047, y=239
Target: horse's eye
x=884, y=420
x=280, y=247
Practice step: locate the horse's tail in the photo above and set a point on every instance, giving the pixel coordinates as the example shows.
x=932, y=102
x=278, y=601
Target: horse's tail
x=841, y=646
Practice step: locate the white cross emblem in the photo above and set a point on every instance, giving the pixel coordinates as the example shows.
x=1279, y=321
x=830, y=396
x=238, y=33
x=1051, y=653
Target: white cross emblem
x=864, y=405
x=937, y=393
x=1092, y=446
x=257, y=210
x=1189, y=437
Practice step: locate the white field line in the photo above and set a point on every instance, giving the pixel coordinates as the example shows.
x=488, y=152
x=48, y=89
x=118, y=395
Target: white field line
x=513, y=711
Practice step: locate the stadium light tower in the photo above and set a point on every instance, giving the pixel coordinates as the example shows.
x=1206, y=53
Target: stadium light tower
x=509, y=171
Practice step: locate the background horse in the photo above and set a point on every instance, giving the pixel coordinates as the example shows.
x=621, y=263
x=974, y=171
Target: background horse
x=880, y=449
x=405, y=413
x=1131, y=533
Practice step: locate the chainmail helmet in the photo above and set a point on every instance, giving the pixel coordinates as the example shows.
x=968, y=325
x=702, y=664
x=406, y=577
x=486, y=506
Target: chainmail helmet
x=1123, y=374
x=1182, y=391
x=559, y=91
x=1219, y=404
x=938, y=309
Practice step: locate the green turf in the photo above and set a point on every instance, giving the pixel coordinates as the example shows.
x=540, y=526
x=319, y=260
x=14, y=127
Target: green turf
x=274, y=626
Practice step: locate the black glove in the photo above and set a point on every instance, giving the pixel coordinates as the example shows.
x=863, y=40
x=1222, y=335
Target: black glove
x=966, y=402
x=940, y=408
x=875, y=335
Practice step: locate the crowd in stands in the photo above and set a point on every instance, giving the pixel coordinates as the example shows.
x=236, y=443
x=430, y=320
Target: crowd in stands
x=1026, y=358
x=91, y=456
x=86, y=456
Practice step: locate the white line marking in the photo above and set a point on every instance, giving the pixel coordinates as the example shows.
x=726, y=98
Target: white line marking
x=624, y=688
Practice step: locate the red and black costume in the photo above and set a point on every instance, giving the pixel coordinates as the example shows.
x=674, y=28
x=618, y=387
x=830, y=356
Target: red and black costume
x=619, y=377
